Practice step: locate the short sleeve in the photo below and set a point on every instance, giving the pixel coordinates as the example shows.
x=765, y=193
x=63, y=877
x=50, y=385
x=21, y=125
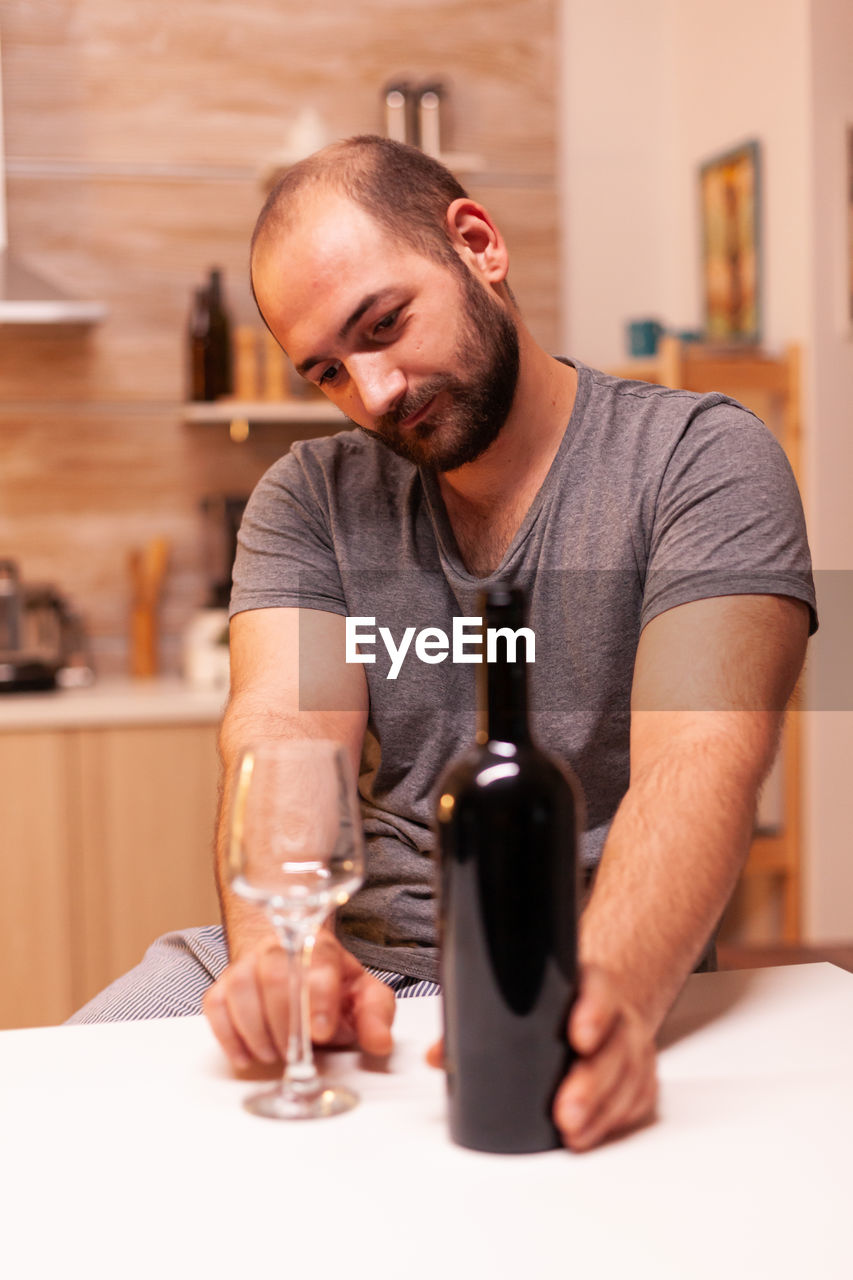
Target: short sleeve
x=728, y=517
x=285, y=557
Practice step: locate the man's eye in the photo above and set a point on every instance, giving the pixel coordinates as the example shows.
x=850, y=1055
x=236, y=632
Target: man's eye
x=386, y=323
x=328, y=375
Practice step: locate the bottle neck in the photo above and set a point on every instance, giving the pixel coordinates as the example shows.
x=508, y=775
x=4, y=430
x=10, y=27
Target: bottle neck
x=200, y=309
x=503, y=702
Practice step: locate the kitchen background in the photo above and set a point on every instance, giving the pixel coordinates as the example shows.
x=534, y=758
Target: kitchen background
x=137, y=138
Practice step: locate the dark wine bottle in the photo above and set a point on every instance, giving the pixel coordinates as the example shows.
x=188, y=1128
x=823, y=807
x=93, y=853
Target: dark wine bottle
x=507, y=821
x=198, y=331
x=211, y=357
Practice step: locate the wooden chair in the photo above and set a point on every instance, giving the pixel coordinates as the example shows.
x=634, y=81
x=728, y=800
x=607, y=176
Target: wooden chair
x=770, y=386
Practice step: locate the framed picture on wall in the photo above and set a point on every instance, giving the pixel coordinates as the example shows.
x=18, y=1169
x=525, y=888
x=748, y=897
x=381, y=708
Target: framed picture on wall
x=729, y=189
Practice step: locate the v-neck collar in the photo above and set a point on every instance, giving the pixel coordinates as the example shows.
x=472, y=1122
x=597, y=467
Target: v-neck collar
x=446, y=538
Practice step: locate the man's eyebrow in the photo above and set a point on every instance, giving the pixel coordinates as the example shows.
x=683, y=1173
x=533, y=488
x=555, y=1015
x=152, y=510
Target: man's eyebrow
x=368, y=301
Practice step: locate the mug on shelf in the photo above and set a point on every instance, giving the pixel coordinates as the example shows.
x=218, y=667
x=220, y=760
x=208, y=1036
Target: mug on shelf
x=644, y=336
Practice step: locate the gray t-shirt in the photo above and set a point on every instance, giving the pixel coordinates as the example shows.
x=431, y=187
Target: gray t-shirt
x=655, y=498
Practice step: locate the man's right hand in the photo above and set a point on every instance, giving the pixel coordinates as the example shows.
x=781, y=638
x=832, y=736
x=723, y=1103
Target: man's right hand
x=248, y=1006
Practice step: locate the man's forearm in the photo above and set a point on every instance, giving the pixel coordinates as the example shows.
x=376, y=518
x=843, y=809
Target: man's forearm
x=244, y=924
x=672, y=858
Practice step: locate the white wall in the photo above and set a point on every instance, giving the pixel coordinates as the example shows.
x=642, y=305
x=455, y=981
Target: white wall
x=616, y=142
x=741, y=72
x=651, y=88
x=829, y=831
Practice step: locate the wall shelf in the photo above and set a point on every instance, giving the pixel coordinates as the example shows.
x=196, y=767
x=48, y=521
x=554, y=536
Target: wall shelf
x=213, y=412
x=27, y=298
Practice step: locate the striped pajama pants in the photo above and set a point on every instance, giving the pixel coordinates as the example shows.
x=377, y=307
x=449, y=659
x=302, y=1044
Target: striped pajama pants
x=175, y=972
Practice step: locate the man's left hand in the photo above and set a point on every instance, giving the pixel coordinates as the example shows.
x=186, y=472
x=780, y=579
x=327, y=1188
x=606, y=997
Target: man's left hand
x=612, y=1085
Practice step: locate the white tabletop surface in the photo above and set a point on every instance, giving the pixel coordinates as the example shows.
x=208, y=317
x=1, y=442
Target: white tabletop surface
x=124, y=1152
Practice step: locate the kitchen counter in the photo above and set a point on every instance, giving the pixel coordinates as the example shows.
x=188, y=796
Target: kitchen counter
x=113, y=701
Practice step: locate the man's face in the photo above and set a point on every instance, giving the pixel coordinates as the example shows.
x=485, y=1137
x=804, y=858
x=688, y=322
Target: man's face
x=418, y=353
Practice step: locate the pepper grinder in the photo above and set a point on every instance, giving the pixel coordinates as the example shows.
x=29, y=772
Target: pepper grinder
x=429, y=119
x=401, y=120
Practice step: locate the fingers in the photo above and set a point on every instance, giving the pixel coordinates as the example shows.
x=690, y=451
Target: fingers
x=632, y=1103
x=435, y=1054
x=235, y=1050
x=613, y=1090
x=612, y=1085
x=372, y=1010
x=594, y=1013
x=248, y=1007
x=324, y=986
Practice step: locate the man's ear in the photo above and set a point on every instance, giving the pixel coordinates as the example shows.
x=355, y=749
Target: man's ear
x=477, y=240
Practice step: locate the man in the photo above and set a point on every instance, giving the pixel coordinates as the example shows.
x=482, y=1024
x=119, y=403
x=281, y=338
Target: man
x=658, y=536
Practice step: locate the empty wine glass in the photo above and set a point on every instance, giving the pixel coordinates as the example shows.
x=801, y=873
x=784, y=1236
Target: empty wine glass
x=296, y=849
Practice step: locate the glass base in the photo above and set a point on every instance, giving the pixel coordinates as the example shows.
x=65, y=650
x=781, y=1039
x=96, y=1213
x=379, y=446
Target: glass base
x=282, y=1103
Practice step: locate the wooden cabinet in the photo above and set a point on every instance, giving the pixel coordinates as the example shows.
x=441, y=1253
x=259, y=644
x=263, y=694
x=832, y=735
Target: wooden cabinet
x=35, y=880
x=106, y=839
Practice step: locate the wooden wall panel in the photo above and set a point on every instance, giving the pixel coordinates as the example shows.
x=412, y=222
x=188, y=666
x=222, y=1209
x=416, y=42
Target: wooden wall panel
x=139, y=245
x=142, y=246
x=529, y=220
x=135, y=137
x=198, y=83
x=81, y=485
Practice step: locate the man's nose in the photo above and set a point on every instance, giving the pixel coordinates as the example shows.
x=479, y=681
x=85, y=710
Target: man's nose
x=378, y=379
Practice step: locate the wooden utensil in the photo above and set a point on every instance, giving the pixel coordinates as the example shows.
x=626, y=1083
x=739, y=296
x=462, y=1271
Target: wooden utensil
x=147, y=568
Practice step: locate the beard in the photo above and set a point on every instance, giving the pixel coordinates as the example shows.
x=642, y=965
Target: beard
x=474, y=408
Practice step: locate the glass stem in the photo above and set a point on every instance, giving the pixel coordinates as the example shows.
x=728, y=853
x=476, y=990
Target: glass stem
x=300, y=1073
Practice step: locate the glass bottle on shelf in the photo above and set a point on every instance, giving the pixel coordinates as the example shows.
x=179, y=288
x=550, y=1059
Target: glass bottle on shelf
x=210, y=344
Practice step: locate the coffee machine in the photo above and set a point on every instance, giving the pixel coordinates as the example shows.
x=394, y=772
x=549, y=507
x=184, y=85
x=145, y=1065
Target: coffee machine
x=42, y=641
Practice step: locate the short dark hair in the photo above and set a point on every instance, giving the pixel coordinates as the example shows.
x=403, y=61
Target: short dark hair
x=403, y=189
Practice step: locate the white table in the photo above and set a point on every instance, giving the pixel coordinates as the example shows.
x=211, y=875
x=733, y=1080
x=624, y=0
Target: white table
x=124, y=1152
